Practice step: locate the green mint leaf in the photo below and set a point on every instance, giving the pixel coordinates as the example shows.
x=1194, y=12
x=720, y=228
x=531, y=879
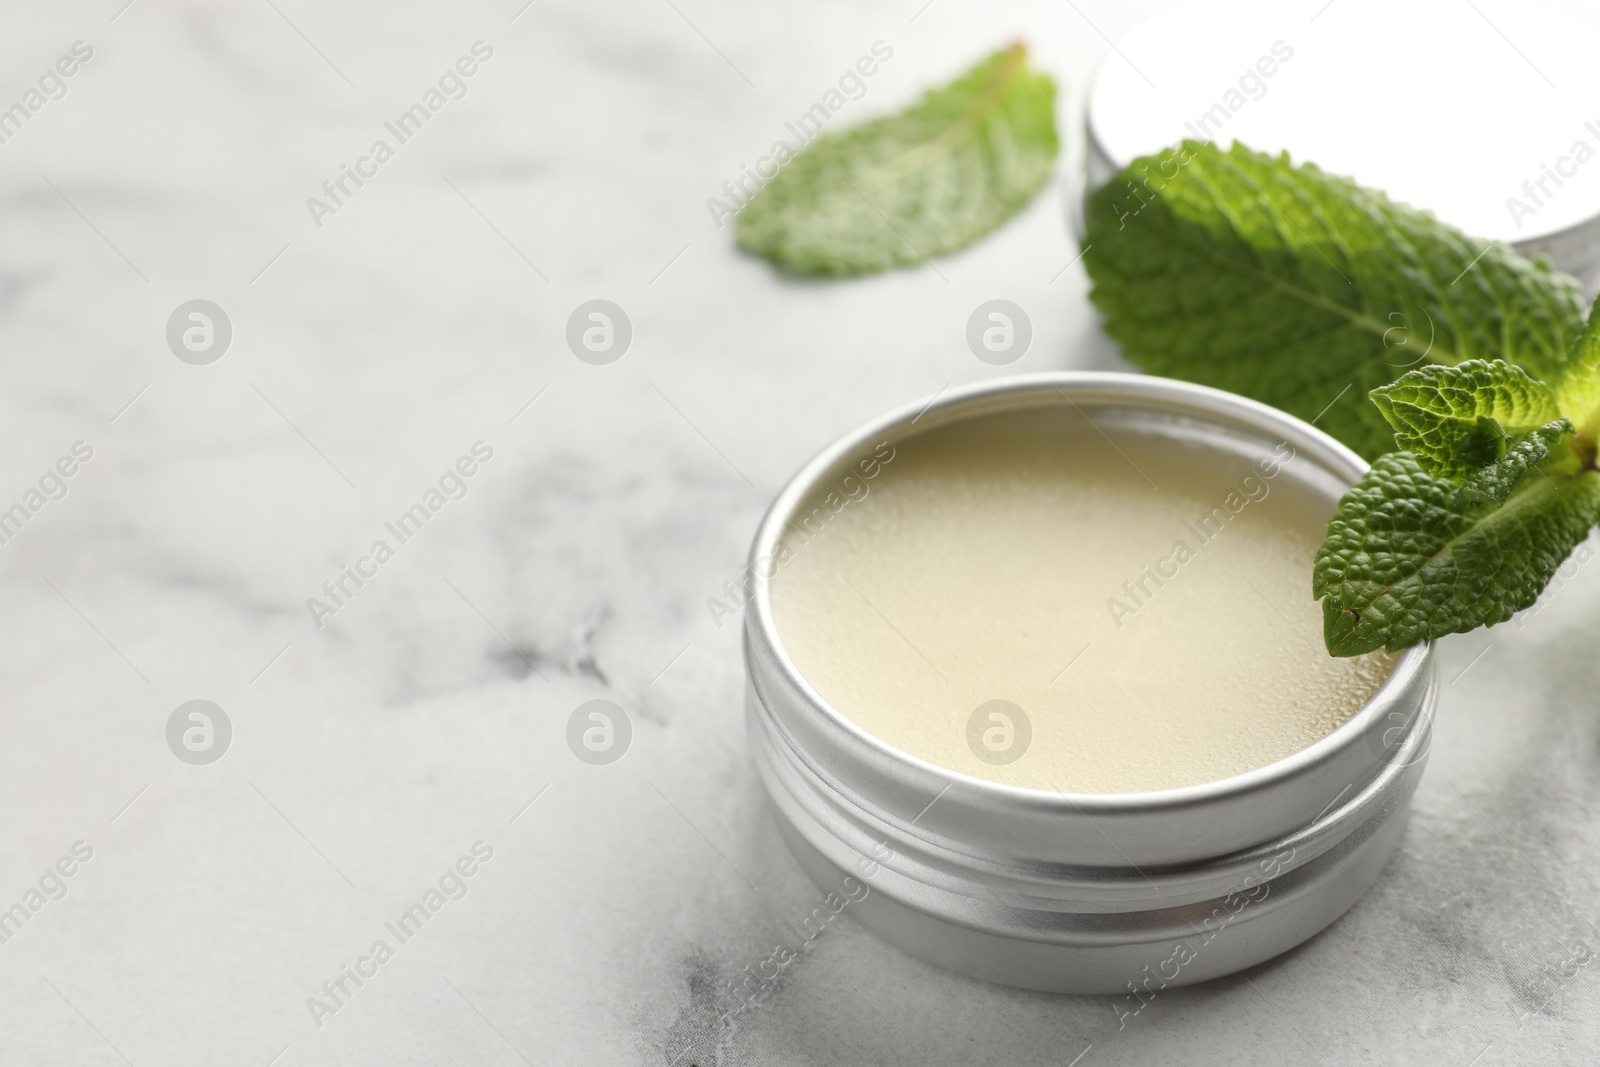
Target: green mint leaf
x=898, y=190
x=1496, y=480
x=1460, y=419
x=1481, y=423
x=1411, y=556
x=1306, y=291
x=1578, y=388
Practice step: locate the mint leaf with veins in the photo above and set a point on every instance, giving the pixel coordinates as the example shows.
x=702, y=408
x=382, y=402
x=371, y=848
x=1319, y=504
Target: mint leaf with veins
x=1578, y=388
x=1468, y=526
x=1411, y=556
x=1284, y=283
x=1480, y=423
x=897, y=190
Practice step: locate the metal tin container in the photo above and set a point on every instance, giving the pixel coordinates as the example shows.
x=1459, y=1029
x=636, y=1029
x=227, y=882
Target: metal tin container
x=1277, y=77
x=1086, y=893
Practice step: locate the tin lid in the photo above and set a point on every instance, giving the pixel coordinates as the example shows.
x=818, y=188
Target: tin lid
x=1486, y=114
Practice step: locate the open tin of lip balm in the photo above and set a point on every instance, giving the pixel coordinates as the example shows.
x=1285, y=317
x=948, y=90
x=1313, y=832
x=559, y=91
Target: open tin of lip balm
x=1066, y=889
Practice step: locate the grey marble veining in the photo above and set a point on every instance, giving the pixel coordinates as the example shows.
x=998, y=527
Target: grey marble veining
x=429, y=713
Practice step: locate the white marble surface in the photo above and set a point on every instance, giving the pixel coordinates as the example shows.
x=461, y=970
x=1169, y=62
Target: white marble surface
x=427, y=713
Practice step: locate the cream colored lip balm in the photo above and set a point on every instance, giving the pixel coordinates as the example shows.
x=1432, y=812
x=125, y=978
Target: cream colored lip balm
x=1083, y=606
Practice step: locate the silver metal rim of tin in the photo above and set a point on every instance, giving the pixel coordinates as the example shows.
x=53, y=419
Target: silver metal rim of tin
x=1065, y=891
